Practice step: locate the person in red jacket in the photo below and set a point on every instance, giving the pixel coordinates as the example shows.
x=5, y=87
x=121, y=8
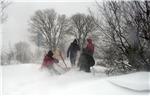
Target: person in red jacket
x=48, y=62
x=86, y=59
x=90, y=47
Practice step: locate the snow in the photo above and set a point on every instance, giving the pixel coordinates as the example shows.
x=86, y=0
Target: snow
x=0, y=80
x=29, y=79
x=137, y=81
x=99, y=69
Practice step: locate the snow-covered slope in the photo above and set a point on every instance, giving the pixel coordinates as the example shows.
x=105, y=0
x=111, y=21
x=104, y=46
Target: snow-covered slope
x=0, y=80
x=139, y=81
x=29, y=79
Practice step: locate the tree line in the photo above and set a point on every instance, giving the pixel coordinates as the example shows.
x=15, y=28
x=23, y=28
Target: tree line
x=51, y=28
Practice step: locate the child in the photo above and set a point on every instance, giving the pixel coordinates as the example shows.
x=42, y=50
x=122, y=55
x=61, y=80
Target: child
x=48, y=62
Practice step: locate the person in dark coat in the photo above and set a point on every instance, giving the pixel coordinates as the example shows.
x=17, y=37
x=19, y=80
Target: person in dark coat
x=86, y=61
x=72, y=51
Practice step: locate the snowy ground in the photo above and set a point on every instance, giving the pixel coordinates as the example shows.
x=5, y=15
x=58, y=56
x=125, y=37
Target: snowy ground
x=0, y=81
x=29, y=79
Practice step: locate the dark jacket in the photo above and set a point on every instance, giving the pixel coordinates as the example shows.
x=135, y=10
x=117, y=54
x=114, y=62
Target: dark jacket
x=72, y=50
x=86, y=61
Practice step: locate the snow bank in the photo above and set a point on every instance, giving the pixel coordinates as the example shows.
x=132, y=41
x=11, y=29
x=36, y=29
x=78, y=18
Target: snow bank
x=28, y=79
x=139, y=81
x=0, y=80
x=99, y=69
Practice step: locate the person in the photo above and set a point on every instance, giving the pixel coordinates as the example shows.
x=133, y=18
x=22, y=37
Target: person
x=90, y=47
x=72, y=51
x=86, y=61
x=48, y=62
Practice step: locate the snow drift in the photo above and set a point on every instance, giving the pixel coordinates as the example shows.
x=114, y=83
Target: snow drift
x=139, y=81
x=28, y=79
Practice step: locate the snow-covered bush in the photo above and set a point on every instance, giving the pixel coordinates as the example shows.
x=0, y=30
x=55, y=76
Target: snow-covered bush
x=23, y=52
x=7, y=57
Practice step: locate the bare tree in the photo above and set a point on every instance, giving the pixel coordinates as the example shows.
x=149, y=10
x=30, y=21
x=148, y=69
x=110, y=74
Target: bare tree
x=83, y=25
x=142, y=22
x=7, y=56
x=50, y=26
x=123, y=23
x=4, y=4
x=4, y=58
x=23, y=52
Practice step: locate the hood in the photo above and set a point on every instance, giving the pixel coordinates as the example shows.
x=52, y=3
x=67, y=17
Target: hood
x=89, y=40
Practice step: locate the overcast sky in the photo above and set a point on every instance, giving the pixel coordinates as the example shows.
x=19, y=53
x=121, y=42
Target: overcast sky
x=19, y=13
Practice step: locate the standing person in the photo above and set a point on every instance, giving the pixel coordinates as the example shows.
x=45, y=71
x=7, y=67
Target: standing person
x=48, y=62
x=72, y=51
x=90, y=47
x=86, y=59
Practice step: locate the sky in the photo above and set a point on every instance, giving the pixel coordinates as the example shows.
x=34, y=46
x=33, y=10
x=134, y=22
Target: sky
x=20, y=11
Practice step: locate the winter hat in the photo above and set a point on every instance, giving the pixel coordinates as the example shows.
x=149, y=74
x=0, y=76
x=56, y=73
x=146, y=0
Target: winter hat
x=50, y=53
x=75, y=41
x=89, y=40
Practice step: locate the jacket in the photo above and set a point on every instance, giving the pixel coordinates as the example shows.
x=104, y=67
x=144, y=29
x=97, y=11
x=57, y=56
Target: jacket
x=49, y=60
x=90, y=47
x=72, y=50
